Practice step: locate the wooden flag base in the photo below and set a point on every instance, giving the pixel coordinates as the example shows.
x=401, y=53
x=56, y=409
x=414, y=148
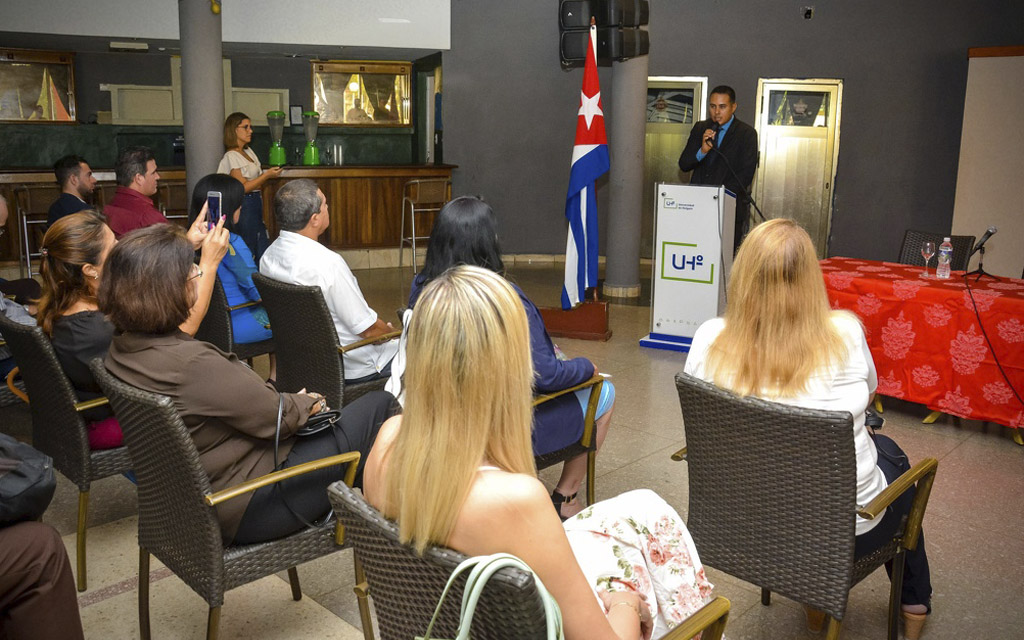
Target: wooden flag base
x=588, y=321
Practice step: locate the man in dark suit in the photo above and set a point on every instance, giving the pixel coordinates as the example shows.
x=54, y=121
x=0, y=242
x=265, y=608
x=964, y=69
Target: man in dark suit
x=735, y=142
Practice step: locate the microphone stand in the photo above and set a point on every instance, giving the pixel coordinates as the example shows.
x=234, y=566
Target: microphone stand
x=745, y=193
x=980, y=271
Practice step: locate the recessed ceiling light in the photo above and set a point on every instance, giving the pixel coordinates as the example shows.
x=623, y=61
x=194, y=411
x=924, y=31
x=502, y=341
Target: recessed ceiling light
x=394, y=20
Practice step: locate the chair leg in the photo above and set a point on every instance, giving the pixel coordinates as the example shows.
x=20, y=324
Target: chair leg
x=834, y=627
x=412, y=233
x=213, y=624
x=895, y=594
x=293, y=578
x=83, y=517
x=143, y=593
x=362, y=589
x=591, y=467
x=401, y=238
x=766, y=596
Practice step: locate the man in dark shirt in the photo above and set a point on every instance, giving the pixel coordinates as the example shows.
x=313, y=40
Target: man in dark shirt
x=132, y=205
x=735, y=146
x=76, y=184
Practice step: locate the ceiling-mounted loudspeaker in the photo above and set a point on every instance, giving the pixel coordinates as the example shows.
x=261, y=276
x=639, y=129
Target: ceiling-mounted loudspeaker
x=576, y=14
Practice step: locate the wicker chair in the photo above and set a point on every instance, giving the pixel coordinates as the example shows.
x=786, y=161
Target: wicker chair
x=587, y=443
x=405, y=587
x=58, y=429
x=306, y=342
x=177, y=522
x=910, y=250
x=216, y=328
x=773, y=494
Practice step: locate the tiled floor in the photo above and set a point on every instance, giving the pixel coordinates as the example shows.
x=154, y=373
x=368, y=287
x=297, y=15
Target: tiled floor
x=973, y=526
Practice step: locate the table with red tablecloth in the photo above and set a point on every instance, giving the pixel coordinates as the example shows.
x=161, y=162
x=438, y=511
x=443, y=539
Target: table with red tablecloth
x=926, y=341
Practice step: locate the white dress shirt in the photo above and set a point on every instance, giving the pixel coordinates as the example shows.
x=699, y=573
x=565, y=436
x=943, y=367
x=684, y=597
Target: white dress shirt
x=296, y=259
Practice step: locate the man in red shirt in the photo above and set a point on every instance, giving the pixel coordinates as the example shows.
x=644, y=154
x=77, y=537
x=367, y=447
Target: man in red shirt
x=132, y=205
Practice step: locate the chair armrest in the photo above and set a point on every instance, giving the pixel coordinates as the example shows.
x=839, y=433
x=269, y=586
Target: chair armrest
x=85, y=405
x=541, y=399
x=709, y=619
x=244, y=305
x=384, y=337
x=351, y=457
x=923, y=474
x=898, y=486
x=15, y=390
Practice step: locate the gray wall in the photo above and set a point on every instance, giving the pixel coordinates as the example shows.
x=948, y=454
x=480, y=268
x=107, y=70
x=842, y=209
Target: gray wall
x=509, y=108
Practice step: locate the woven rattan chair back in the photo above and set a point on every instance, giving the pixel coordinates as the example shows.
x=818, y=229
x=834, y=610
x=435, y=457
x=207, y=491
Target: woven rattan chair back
x=910, y=250
x=175, y=524
x=216, y=328
x=57, y=429
x=772, y=493
x=405, y=587
x=305, y=340
x=216, y=325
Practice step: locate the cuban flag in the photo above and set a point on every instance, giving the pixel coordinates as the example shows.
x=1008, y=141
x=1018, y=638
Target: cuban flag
x=589, y=162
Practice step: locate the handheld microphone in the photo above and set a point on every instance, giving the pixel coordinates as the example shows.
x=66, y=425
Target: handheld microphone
x=716, y=128
x=981, y=243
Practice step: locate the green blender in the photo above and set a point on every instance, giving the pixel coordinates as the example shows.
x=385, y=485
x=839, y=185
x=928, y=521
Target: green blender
x=277, y=156
x=310, y=121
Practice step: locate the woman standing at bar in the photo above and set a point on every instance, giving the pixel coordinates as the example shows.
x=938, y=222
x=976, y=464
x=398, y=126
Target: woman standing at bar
x=242, y=164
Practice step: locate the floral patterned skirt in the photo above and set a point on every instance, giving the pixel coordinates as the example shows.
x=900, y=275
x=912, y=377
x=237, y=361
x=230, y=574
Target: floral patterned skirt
x=637, y=542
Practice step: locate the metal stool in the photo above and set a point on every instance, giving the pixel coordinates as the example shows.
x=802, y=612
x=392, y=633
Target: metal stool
x=33, y=205
x=421, y=196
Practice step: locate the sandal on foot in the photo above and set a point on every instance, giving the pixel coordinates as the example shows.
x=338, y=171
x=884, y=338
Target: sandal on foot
x=558, y=499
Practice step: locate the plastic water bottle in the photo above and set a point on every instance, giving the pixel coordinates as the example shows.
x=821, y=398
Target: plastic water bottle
x=945, y=257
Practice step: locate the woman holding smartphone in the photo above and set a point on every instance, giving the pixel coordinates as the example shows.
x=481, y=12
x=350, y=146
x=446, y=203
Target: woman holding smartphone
x=242, y=164
x=248, y=324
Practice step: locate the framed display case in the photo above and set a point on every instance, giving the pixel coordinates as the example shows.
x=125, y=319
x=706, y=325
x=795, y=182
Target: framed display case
x=37, y=86
x=362, y=93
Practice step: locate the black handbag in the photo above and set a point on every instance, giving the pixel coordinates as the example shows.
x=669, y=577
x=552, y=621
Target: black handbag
x=314, y=424
x=27, y=481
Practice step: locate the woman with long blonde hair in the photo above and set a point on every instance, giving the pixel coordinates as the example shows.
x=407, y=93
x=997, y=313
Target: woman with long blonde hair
x=779, y=340
x=456, y=469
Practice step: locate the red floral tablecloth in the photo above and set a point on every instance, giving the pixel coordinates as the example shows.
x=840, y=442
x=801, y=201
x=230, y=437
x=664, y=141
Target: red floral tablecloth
x=925, y=338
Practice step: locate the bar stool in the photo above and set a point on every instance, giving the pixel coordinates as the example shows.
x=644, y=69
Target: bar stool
x=33, y=204
x=421, y=196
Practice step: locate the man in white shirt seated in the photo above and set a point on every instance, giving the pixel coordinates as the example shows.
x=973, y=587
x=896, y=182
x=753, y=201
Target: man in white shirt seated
x=296, y=257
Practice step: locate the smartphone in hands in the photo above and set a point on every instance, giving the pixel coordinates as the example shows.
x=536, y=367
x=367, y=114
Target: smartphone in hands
x=213, y=208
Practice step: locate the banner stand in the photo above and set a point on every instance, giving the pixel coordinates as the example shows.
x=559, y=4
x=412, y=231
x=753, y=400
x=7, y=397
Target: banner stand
x=693, y=236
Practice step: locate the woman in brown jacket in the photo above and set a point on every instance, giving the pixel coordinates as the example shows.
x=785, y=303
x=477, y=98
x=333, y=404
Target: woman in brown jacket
x=146, y=291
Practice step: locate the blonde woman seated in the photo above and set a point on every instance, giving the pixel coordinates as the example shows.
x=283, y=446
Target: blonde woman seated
x=456, y=469
x=780, y=341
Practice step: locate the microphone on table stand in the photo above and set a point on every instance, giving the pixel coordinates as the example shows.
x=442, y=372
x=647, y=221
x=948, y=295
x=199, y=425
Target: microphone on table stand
x=980, y=249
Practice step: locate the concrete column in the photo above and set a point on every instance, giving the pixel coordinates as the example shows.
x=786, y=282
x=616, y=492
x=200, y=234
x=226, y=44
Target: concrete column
x=626, y=178
x=202, y=88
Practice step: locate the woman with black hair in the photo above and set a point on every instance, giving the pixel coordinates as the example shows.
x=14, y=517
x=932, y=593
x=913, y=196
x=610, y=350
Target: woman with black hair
x=464, y=234
x=248, y=324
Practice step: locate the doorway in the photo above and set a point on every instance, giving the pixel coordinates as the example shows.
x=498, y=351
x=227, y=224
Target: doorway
x=798, y=135
x=674, y=104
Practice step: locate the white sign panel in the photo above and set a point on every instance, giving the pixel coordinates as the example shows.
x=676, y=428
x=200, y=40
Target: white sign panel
x=690, y=261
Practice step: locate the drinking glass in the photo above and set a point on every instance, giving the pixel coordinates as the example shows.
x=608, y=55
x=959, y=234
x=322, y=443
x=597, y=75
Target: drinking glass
x=927, y=251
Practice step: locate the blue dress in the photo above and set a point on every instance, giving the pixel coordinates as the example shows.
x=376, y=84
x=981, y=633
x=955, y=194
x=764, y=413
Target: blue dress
x=559, y=422
x=249, y=324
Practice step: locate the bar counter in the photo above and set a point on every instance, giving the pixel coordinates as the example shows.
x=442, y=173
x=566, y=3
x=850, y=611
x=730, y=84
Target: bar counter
x=365, y=202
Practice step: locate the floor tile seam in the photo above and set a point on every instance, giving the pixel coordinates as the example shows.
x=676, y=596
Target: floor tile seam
x=118, y=588
x=673, y=447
